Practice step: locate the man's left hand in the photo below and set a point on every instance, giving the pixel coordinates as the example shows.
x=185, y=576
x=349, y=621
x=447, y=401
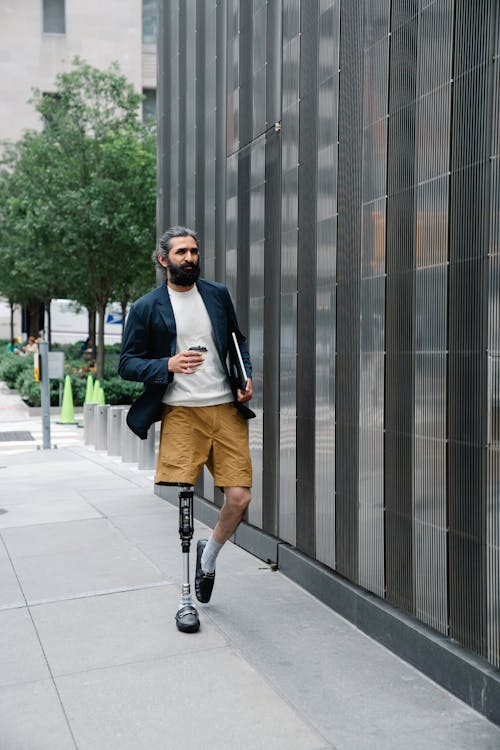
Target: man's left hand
x=245, y=395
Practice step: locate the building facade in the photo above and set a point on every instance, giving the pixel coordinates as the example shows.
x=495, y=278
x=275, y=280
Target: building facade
x=340, y=161
x=40, y=38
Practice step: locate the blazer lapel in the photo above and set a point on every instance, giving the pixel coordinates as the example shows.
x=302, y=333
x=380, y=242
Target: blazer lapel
x=217, y=317
x=167, y=314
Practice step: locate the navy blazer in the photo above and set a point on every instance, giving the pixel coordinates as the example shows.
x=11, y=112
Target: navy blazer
x=150, y=339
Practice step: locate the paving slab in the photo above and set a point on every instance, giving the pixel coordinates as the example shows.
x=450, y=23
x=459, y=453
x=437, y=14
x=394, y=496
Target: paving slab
x=113, y=502
x=34, y=512
x=32, y=718
x=270, y=668
x=14, y=493
x=465, y=735
x=70, y=536
x=55, y=561
x=120, y=628
x=4, y=555
x=212, y=699
x=11, y=594
x=33, y=458
x=156, y=535
x=362, y=684
x=21, y=654
x=64, y=576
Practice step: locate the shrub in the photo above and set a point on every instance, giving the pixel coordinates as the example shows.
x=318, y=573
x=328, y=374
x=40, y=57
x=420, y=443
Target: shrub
x=30, y=390
x=71, y=351
x=12, y=365
x=78, y=387
x=17, y=372
x=118, y=391
x=111, y=365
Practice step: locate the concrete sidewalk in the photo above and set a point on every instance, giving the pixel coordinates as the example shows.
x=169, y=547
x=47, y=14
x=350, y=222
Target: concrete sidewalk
x=90, y=656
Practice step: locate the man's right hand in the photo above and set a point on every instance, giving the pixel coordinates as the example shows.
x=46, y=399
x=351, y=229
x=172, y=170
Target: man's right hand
x=186, y=362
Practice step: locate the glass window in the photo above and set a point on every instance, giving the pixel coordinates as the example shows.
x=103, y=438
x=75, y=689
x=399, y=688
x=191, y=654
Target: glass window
x=54, y=17
x=149, y=103
x=149, y=21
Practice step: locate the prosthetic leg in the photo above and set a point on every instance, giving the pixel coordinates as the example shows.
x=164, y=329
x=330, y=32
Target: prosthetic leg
x=186, y=619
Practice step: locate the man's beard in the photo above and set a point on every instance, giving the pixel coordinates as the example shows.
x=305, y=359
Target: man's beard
x=183, y=275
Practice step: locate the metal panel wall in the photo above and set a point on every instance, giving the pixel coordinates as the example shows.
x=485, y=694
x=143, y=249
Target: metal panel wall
x=326, y=241
x=468, y=316
x=289, y=248
x=435, y=43
x=348, y=287
x=171, y=32
x=256, y=318
x=192, y=103
x=206, y=34
x=163, y=125
x=493, y=398
x=252, y=242
x=232, y=144
x=271, y=491
x=221, y=14
x=182, y=104
x=372, y=297
x=341, y=160
x=399, y=330
x=493, y=449
x=306, y=277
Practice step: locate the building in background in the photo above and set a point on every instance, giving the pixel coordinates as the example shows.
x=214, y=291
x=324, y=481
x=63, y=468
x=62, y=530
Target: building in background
x=39, y=39
x=340, y=160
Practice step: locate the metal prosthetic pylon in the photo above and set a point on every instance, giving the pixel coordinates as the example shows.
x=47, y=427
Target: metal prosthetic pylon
x=186, y=619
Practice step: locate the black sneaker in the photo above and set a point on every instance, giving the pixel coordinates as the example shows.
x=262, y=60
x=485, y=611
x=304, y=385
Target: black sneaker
x=203, y=582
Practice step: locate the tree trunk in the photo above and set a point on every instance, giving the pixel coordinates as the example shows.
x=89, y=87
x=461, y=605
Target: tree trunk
x=49, y=323
x=92, y=331
x=11, y=305
x=123, y=305
x=100, y=343
x=33, y=317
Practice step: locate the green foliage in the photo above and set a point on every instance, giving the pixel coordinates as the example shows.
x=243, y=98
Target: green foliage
x=12, y=365
x=30, y=390
x=118, y=391
x=72, y=352
x=17, y=372
x=78, y=198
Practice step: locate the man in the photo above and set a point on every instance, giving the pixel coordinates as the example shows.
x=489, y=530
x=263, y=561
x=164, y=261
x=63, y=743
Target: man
x=192, y=391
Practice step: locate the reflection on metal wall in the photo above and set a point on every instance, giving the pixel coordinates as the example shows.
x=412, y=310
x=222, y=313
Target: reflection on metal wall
x=341, y=162
x=289, y=248
x=326, y=245
x=433, y=111
x=372, y=297
x=471, y=205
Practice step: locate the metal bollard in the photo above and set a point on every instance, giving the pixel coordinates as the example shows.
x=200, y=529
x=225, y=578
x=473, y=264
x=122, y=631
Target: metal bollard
x=146, y=452
x=101, y=427
x=115, y=430
x=89, y=418
x=129, y=442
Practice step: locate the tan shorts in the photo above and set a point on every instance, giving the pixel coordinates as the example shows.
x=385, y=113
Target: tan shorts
x=192, y=436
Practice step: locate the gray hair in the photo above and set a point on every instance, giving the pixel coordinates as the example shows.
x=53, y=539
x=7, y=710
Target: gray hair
x=163, y=248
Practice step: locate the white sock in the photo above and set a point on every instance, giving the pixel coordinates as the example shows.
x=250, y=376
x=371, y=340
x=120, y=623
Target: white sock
x=209, y=556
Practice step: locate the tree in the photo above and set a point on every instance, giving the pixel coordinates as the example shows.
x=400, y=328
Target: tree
x=77, y=199
x=30, y=273
x=102, y=160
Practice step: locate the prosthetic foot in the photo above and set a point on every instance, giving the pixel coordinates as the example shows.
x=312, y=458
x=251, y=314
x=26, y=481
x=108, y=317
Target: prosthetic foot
x=186, y=619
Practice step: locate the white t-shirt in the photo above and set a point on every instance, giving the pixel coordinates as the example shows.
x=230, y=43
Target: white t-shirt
x=209, y=385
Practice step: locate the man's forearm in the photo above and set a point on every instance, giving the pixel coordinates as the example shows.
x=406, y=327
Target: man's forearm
x=144, y=370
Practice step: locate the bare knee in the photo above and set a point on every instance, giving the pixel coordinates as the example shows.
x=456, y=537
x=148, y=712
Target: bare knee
x=238, y=498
